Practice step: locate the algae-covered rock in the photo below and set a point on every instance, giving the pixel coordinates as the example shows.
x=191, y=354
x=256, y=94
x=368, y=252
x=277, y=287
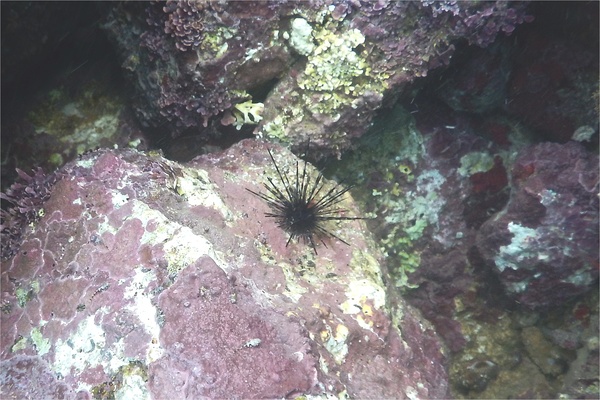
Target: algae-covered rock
x=544, y=244
x=321, y=68
x=149, y=278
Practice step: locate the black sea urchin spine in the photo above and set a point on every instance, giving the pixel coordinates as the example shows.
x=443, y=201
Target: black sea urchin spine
x=300, y=209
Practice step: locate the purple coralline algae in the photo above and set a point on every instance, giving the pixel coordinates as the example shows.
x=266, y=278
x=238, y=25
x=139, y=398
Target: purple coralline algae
x=320, y=68
x=433, y=182
x=26, y=198
x=148, y=278
x=544, y=244
x=437, y=182
x=190, y=61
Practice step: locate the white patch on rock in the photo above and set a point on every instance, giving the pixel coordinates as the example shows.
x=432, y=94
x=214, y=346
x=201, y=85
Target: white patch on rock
x=300, y=36
x=118, y=199
x=510, y=256
x=181, y=245
x=547, y=197
x=198, y=190
x=145, y=311
x=133, y=387
x=359, y=292
x=336, y=342
x=86, y=349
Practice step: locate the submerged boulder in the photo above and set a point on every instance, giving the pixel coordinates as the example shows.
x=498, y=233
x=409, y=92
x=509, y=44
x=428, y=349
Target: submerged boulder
x=544, y=244
x=144, y=278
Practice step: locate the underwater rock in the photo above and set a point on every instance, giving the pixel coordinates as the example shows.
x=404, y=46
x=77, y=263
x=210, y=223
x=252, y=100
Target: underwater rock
x=191, y=61
x=582, y=378
x=61, y=93
x=549, y=359
x=544, y=244
x=321, y=68
x=554, y=88
x=430, y=180
x=546, y=79
x=476, y=80
x=144, y=277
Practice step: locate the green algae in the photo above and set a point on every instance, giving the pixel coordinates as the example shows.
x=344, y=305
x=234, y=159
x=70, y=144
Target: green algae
x=335, y=77
x=79, y=120
x=129, y=382
x=42, y=345
x=390, y=185
x=25, y=294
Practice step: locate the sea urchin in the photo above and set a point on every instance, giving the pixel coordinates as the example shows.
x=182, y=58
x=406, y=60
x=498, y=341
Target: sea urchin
x=303, y=206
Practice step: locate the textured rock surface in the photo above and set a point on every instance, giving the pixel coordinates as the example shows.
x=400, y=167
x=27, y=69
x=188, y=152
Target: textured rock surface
x=432, y=182
x=194, y=64
x=145, y=277
x=544, y=244
x=554, y=88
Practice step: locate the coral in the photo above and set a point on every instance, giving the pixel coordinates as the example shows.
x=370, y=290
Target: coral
x=146, y=277
x=543, y=245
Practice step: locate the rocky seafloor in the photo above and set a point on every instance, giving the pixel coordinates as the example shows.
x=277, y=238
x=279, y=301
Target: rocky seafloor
x=137, y=263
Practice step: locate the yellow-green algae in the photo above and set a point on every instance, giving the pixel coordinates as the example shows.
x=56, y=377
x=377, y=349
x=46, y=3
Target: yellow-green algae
x=127, y=383
x=83, y=120
x=410, y=199
x=336, y=75
x=42, y=345
x=36, y=339
x=247, y=113
x=25, y=294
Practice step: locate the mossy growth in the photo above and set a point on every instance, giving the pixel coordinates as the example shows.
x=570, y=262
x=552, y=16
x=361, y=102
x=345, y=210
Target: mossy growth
x=214, y=43
x=36, y=339
x=81, y=119
x=338, y=71
x=6, y=307
x=42, y=345
x=104, y=391
x=123, y=382
x=474, y=162
x=392, y=189
x=20, y=344
x=27, y=293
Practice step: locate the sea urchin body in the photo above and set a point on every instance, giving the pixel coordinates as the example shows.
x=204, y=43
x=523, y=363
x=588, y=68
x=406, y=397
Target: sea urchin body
x=303, y=206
